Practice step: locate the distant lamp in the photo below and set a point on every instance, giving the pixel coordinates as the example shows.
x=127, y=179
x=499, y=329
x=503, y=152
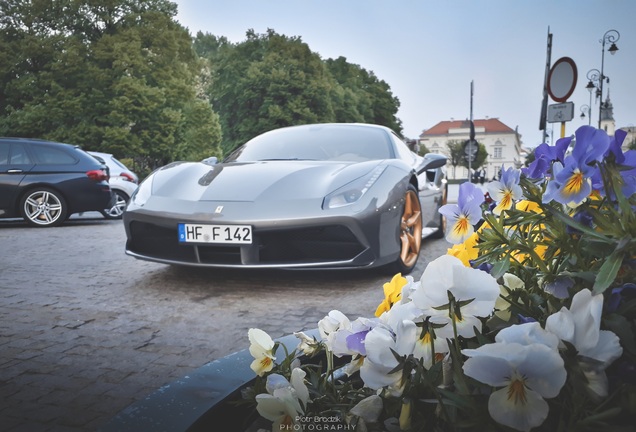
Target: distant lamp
x=612, y=50
x=585, y=109
x=590, y=86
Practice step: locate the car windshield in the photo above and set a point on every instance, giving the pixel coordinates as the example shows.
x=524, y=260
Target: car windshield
x=317, y=142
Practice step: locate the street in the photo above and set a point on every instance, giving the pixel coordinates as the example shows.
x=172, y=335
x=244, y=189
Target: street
x=86, y=330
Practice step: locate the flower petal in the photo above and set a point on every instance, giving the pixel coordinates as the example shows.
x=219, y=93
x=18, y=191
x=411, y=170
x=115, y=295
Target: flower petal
x=260, y=342
x=298, y=383
x=527, y=334
x=487, y=367
x=521, y=416
x=368, y=409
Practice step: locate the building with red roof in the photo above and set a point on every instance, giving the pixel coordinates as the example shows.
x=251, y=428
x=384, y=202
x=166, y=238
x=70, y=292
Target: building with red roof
x=502, y=143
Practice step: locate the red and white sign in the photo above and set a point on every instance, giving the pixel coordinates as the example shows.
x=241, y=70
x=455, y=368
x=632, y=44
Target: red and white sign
x=562, y=79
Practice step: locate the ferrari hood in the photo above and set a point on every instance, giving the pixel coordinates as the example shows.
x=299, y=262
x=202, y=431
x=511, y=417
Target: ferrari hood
x=266, y=180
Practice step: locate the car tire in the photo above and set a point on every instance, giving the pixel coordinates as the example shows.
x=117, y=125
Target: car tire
x=441, y=231
x=43, y=207
x=117, y=210
x=409, y=233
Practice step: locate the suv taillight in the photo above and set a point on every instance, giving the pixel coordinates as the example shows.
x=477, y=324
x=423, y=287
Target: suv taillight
x=128, y=177
x=97, y=175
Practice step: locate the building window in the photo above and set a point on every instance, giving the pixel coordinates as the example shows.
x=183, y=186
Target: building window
x=498, y=154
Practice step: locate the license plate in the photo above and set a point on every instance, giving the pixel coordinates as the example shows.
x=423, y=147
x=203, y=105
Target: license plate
x=233, y=234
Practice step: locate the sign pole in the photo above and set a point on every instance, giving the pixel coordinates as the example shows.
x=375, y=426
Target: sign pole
x=472, y=133
x=562, y=129
x=544, y=103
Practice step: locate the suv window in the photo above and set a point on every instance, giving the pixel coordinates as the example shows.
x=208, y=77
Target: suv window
x=52, y=155
x=14, y=154
x=4, y=153
x=19, y=156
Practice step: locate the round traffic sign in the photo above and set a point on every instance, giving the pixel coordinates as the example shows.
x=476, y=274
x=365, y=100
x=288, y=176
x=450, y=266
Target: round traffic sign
x=562, y=79
x=471, y=148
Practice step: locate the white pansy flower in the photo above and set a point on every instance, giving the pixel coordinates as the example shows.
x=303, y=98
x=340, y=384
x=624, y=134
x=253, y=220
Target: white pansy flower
x=308, y=345
x=424, y=351
x=380, y=342
x=261, y=348
x=368, y=409
x=281, y=407
x=448, y=274
x=400, y=312
x=281, y=404
x=580, y=326
x=527, y=334
x=526, y=374
x=298, y=384
x=329, y=325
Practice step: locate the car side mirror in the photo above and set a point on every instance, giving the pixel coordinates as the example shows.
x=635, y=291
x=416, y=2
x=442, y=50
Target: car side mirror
x=213, y=160
x=431, y=161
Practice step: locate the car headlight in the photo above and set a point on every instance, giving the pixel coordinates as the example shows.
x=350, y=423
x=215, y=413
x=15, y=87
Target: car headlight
x=352, y=192
x=143, y=192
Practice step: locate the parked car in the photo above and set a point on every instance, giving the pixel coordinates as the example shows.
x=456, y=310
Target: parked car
x=123, y=182
x=311, y=196
x=46, y=182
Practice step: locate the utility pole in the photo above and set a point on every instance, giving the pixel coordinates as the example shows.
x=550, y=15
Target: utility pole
x=471, y=148
x=544, y=104
x=472, y=132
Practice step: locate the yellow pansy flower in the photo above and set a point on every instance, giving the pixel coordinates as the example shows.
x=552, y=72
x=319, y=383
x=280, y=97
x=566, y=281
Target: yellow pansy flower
x=392, y=293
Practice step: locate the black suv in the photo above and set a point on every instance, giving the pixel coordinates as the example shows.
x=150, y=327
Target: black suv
x=45, y=182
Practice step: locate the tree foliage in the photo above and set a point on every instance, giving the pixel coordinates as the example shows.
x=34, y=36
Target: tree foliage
x=361, y=96
x=272, y=80
x=457, y=157
x=111, y=75
x=123, y=76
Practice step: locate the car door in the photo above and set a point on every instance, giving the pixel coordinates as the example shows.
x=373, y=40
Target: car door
x=15, y=163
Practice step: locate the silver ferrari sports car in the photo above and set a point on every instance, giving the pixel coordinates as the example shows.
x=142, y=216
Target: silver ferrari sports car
x=327, y=196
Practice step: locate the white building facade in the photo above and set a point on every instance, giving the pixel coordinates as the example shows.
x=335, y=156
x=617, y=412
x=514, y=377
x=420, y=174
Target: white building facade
x=503, y=144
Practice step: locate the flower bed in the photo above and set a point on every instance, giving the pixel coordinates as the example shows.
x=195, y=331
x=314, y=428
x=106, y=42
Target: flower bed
x=528, y=323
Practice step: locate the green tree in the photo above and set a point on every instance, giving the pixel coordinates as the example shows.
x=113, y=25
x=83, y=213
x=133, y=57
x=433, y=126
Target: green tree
x=457, y=157
x=480, y=159
x=423, y=150
x=530, y=158
x=362, y=97
x=265, y=82
x=110, y=75
x=455, y=153
x=271, y=80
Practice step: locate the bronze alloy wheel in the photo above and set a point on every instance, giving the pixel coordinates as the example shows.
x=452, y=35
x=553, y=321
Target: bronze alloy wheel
x=411, y=229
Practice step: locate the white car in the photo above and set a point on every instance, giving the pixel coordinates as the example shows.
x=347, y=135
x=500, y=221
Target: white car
x=123, y=183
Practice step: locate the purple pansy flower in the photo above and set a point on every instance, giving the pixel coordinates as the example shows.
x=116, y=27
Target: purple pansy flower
x=465, y=214
x=506, y=190
x=544, y=156
x=572, y=182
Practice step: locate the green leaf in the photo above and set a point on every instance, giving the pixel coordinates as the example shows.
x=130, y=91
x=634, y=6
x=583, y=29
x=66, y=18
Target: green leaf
x=500, y=268
x=608, y=271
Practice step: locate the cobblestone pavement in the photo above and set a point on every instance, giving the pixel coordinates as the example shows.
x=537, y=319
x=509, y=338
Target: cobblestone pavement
x=86, y=330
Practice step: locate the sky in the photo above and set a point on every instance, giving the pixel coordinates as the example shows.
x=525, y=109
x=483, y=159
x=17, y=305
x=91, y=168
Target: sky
x=429, y=51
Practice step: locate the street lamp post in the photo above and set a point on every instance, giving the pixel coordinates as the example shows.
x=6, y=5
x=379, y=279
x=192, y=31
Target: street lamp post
x=593, y=76
x=610, y=36
x=587, y=109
